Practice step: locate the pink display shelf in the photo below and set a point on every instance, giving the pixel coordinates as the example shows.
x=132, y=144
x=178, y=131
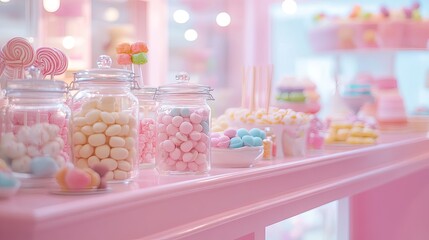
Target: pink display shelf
x=228, y=203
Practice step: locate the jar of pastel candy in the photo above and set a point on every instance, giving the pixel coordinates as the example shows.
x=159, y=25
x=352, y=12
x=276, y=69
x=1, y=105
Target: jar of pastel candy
x=35, y=138
x=104, y=120
x=183, y=127
x=147, y=127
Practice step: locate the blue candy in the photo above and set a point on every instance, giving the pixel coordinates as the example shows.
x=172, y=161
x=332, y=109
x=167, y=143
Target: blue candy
x=255, y=132
x=7, y=180
x=175, y=112
x=248, y=141
x=184, y=112
x=263, y=135
x=257, y=141
x=236, y=142
x=43, y=166
x=242, y=132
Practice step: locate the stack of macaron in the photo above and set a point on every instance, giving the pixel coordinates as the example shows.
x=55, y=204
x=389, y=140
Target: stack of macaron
x=232, y=138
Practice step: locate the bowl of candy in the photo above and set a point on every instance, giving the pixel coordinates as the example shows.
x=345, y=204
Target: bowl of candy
x=237, y=148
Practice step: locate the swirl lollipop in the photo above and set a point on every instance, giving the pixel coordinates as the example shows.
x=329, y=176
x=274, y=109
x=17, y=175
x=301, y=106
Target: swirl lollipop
x=50, y=61
x=17, y=54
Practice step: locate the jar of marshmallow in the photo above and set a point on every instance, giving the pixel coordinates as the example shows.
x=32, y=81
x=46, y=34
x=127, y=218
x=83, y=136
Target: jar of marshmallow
x=35, y=138
x=183, y=127
x=147, y=128
x=104, y=121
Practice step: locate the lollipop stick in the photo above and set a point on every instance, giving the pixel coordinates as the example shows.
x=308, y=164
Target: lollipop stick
x=269, y=83
x=140, y=82
x=252, y=99
x=25, y=119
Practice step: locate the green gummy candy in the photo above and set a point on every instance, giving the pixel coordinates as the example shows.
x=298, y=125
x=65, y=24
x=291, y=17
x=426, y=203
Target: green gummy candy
x=139, y=58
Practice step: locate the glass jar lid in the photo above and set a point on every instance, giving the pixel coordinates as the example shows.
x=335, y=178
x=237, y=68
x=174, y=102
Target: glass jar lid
x=104, y=73
x=145, y=93
x=182, y=87
x=35, y=85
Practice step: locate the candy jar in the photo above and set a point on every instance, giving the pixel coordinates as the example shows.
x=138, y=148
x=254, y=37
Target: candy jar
x=183, y=127
x=34, y=140
x=104, y=120
x=147, y=128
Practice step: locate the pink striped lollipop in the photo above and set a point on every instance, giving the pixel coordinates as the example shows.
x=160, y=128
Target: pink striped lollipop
x=2, y=66
x=50, y=61
x=17, y=54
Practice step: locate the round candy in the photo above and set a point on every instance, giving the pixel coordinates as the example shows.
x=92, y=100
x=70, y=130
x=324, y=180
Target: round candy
x=230, y=133
x=242, y=132
x=99, y=127
x=236, y=142
x=139, y=47
x=257, y=141
x=186, y=128
x=248, y=141
x=195, y=118
x=177, y=120
x=255, y=132
x=168, y=145
x=119, y=153
x=186, y=146
x=117, y=142
x=102, y=151
x=113, y=130
x=76, y=178
x=43, y=167
x=107, y=118
x=97, y=139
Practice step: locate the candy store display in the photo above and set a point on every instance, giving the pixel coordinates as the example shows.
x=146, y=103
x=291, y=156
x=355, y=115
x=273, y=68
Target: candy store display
x=183, y=127
x=80, y=179
x=351, y=132
x=147, y=126
x=386, y=28
x=34, y=133
x=105, y=121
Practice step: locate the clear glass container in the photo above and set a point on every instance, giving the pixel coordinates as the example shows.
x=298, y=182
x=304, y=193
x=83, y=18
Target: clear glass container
x=35, y=138
x=183, y=127
x=105, y=121
x=147, y=126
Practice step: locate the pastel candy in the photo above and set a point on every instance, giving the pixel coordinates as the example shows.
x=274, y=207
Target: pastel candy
x=92, y=116
x=87, y=130
x=255, y=132
x=257, y=141
x=51, y=149
x=195, y=118
x=186, y=127
x=79, y=138
x=107, y=118
x=242, y=132
x=7, y=180
x=102, y=151
x=97, y=139
x=186, y=146
x=248, y=141
x=86, y=151
x=168, y=145
x=122, y=118
x=21, y=164
x=171, y=129
x=185, y=112
x=230, y=133
x=111, y=164
x=76, y=178
x=113, y=130
x=225, y=144
x=119, y=153
x=177, y=120
x=236, y=142
x=194, y=135
x=99, y=127
x=43, y=167
x=117, y=142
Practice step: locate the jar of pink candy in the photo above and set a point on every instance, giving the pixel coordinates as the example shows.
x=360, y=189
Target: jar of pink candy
x=147, y=128
x=104, y=121
x=35, y=139
x=183, y=127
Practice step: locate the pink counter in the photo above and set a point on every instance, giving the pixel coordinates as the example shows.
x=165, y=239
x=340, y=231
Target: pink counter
x=240, y=203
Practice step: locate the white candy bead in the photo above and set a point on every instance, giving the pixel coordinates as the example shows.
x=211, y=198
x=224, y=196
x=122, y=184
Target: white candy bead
x=92, y=116
x=82, y=163
x=111, y=164
x=21, y=164
x=87, y=130
x=113, y=130
x=76, y=150
x=107, y=118
x=119, y=153
x=109, y=175
x=93, y=160
x=122, y=118
x=79, y=121
x=97, y=139
x=86, y=151
x=125, y=129
x=99, y=127
x=117, y=142
x=124, y=165
x=102, y=151
x=52, y=149
x=33, y=151
x=132, y=122
x=120, y=175
x=79, y=138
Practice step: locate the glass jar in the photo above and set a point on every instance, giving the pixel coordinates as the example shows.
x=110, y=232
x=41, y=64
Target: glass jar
x=104, y=121
x=35, y=138
x=147, y=127
x=183, y=127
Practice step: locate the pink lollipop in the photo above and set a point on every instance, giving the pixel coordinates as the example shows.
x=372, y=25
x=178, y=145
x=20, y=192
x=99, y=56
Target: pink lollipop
x=2, y=66
x=50, y=61
x=17, y=54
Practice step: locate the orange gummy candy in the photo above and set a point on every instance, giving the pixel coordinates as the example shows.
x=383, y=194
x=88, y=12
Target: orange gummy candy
x=123, y=48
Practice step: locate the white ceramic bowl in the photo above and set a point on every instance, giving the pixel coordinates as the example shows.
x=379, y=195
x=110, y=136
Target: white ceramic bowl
x=236, y=157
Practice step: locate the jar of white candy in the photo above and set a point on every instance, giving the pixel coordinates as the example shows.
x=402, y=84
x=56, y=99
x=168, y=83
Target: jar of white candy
x=147, y=128
x=35, y=139
x=183, y=127
x=104, y=120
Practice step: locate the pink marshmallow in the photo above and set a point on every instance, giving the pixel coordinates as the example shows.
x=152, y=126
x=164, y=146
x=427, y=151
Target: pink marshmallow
x=195, y=118
x=230, y=133
x=171, y=129
x=186, y=128
x=168, y=145
x=177, y=120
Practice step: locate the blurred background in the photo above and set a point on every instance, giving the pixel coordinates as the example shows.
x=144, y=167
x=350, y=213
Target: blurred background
x=214, y=40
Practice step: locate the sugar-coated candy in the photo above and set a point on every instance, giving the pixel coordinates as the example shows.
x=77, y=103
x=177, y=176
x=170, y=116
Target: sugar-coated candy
x=7, y=180
x=138, y=47
x=96, y=140
x=242, y=132
x=248, y=141
x=257, y=141
x=124, y=59
x=236, y=142
x=119, y=153
x=113, y=130
x=123, y=48
x=186, y=127
x=76, y=178
x=177, y=120
x=43, y=166
x=86, y=151
x=79, y=138
x=111, y=164
x=102, y=151
x=139, y=58
x=21, y=164
x=255, y=132
x=107, y=118
x=230, y=133
x=117, y=142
